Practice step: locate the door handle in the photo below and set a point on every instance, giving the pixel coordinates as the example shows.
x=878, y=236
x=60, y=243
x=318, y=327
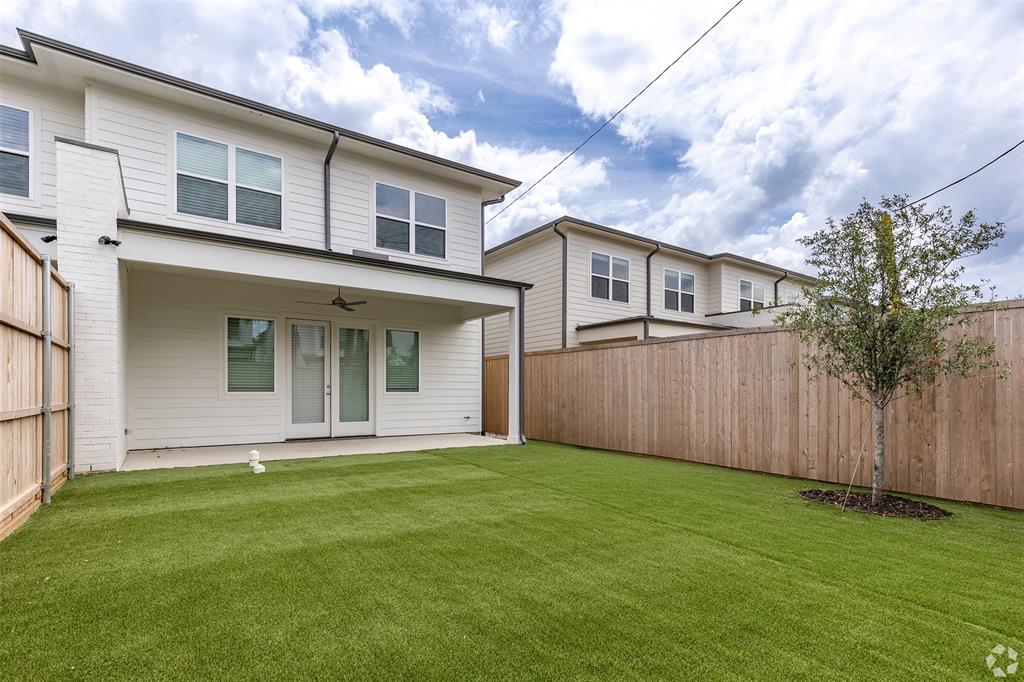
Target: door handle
x=327, y=389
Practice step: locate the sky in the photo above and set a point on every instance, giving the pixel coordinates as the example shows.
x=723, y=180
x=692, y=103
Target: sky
x=784, y=115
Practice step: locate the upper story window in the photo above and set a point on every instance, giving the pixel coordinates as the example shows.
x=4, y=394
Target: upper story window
x=410, y=222
x=751, y=295
x=224, y=182
x=678, y=291
x=15, y=151
x=609, y=277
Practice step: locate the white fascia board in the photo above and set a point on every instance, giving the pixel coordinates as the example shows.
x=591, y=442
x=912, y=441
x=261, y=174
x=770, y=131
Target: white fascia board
x=190, y=253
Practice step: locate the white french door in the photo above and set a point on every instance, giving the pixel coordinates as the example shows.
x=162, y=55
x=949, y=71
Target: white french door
x=353, y=405
x=309, y=408
x=330, y=379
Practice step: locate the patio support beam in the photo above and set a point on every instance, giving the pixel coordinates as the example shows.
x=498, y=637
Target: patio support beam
x=516, y=371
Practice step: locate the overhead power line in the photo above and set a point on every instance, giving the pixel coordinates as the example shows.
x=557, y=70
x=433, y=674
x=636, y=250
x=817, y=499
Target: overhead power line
x=957, y=182
x=615, y=115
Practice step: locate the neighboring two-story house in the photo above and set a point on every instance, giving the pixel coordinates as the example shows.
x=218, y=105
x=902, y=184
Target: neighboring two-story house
x=595, y=284
x=244, y=274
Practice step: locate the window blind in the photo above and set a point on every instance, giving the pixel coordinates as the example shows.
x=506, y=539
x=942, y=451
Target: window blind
x=202, y=185
x=430, y=215
x=430, y=210
x=250, y=355
x=14, y=152
x=393, y=201
x=354, y=374
x=258, y=189
x=307, y=385
x=402, y=349
x=197, y=156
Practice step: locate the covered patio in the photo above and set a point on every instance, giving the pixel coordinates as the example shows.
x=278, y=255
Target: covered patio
x=222, y=345
x=173, y=458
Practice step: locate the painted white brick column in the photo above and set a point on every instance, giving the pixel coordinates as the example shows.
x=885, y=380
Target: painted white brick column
x=89, y=195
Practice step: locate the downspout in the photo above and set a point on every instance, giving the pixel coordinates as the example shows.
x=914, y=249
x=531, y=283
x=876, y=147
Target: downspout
x=565, y=282
x=776, y=287
x=327, y=190
x=647, y=319
x=483, y=389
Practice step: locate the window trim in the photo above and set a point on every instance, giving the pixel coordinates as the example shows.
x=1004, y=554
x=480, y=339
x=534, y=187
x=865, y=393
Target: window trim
x=679, y=274
x=610, y=277
x=740, y=297
x=384, y=360
x=230, y=182
x=411, y=220
x=225, y=394
x=31, y=154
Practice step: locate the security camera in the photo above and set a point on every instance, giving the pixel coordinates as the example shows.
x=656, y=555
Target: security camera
x=49, y=238
x=104, y=240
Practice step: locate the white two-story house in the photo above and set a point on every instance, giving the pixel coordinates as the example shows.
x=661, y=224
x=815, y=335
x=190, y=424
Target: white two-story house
x=244, y=274
x=595, y=284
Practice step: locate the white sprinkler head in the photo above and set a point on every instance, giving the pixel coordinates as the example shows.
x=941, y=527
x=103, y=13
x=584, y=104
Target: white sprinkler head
x=259, y=469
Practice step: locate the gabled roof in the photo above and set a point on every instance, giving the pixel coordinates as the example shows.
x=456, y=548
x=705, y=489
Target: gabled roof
x=622, y=234
x=29, y=40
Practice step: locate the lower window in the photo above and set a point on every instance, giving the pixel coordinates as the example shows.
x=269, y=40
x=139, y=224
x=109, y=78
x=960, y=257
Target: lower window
x=250, y=351
x=402, y=361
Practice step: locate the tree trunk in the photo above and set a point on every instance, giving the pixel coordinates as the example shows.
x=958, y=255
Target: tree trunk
x=876, y=481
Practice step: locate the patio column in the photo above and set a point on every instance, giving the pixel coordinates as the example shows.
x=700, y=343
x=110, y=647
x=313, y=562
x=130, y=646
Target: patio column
x=515, y=371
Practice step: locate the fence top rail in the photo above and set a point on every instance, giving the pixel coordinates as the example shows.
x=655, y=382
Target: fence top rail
x=1009, y=304
x=7, y=226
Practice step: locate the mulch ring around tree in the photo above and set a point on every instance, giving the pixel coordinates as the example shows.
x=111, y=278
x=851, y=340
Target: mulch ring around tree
x=889, y=505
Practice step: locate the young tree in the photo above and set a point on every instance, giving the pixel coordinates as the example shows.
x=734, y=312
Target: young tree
x=888, y=295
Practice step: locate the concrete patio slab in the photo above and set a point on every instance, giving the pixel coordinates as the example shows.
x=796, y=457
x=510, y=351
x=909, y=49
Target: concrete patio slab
x=138, y=460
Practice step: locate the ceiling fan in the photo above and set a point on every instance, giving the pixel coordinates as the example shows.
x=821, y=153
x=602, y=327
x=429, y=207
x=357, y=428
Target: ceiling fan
x=338, y=301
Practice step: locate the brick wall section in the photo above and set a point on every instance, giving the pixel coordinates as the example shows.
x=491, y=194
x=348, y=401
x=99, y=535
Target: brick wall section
x=88, y=198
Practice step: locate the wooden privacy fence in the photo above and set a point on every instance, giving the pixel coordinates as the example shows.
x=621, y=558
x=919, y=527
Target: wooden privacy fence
x=36, y=337
x=743, y=399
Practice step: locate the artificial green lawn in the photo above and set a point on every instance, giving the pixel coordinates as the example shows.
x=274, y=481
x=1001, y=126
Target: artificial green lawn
x=544, y=561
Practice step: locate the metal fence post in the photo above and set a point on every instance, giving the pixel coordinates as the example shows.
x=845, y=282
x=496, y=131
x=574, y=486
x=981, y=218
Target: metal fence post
x=47, y=380
x=71, y=381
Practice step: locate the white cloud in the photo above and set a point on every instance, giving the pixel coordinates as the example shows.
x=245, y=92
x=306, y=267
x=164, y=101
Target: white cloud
x=478, y=23
x=800, y=109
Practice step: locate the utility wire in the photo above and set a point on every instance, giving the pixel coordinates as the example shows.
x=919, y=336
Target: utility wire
x=615, y=115
x=957, y=182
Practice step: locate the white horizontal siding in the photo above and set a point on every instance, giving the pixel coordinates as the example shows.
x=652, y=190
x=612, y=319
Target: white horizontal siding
x=54, y=112
x=586, y=310
x=538, y=261
x=353, y=223
x=176, y=363
x=142, y=129
x=731, y=276
x=714, y=295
